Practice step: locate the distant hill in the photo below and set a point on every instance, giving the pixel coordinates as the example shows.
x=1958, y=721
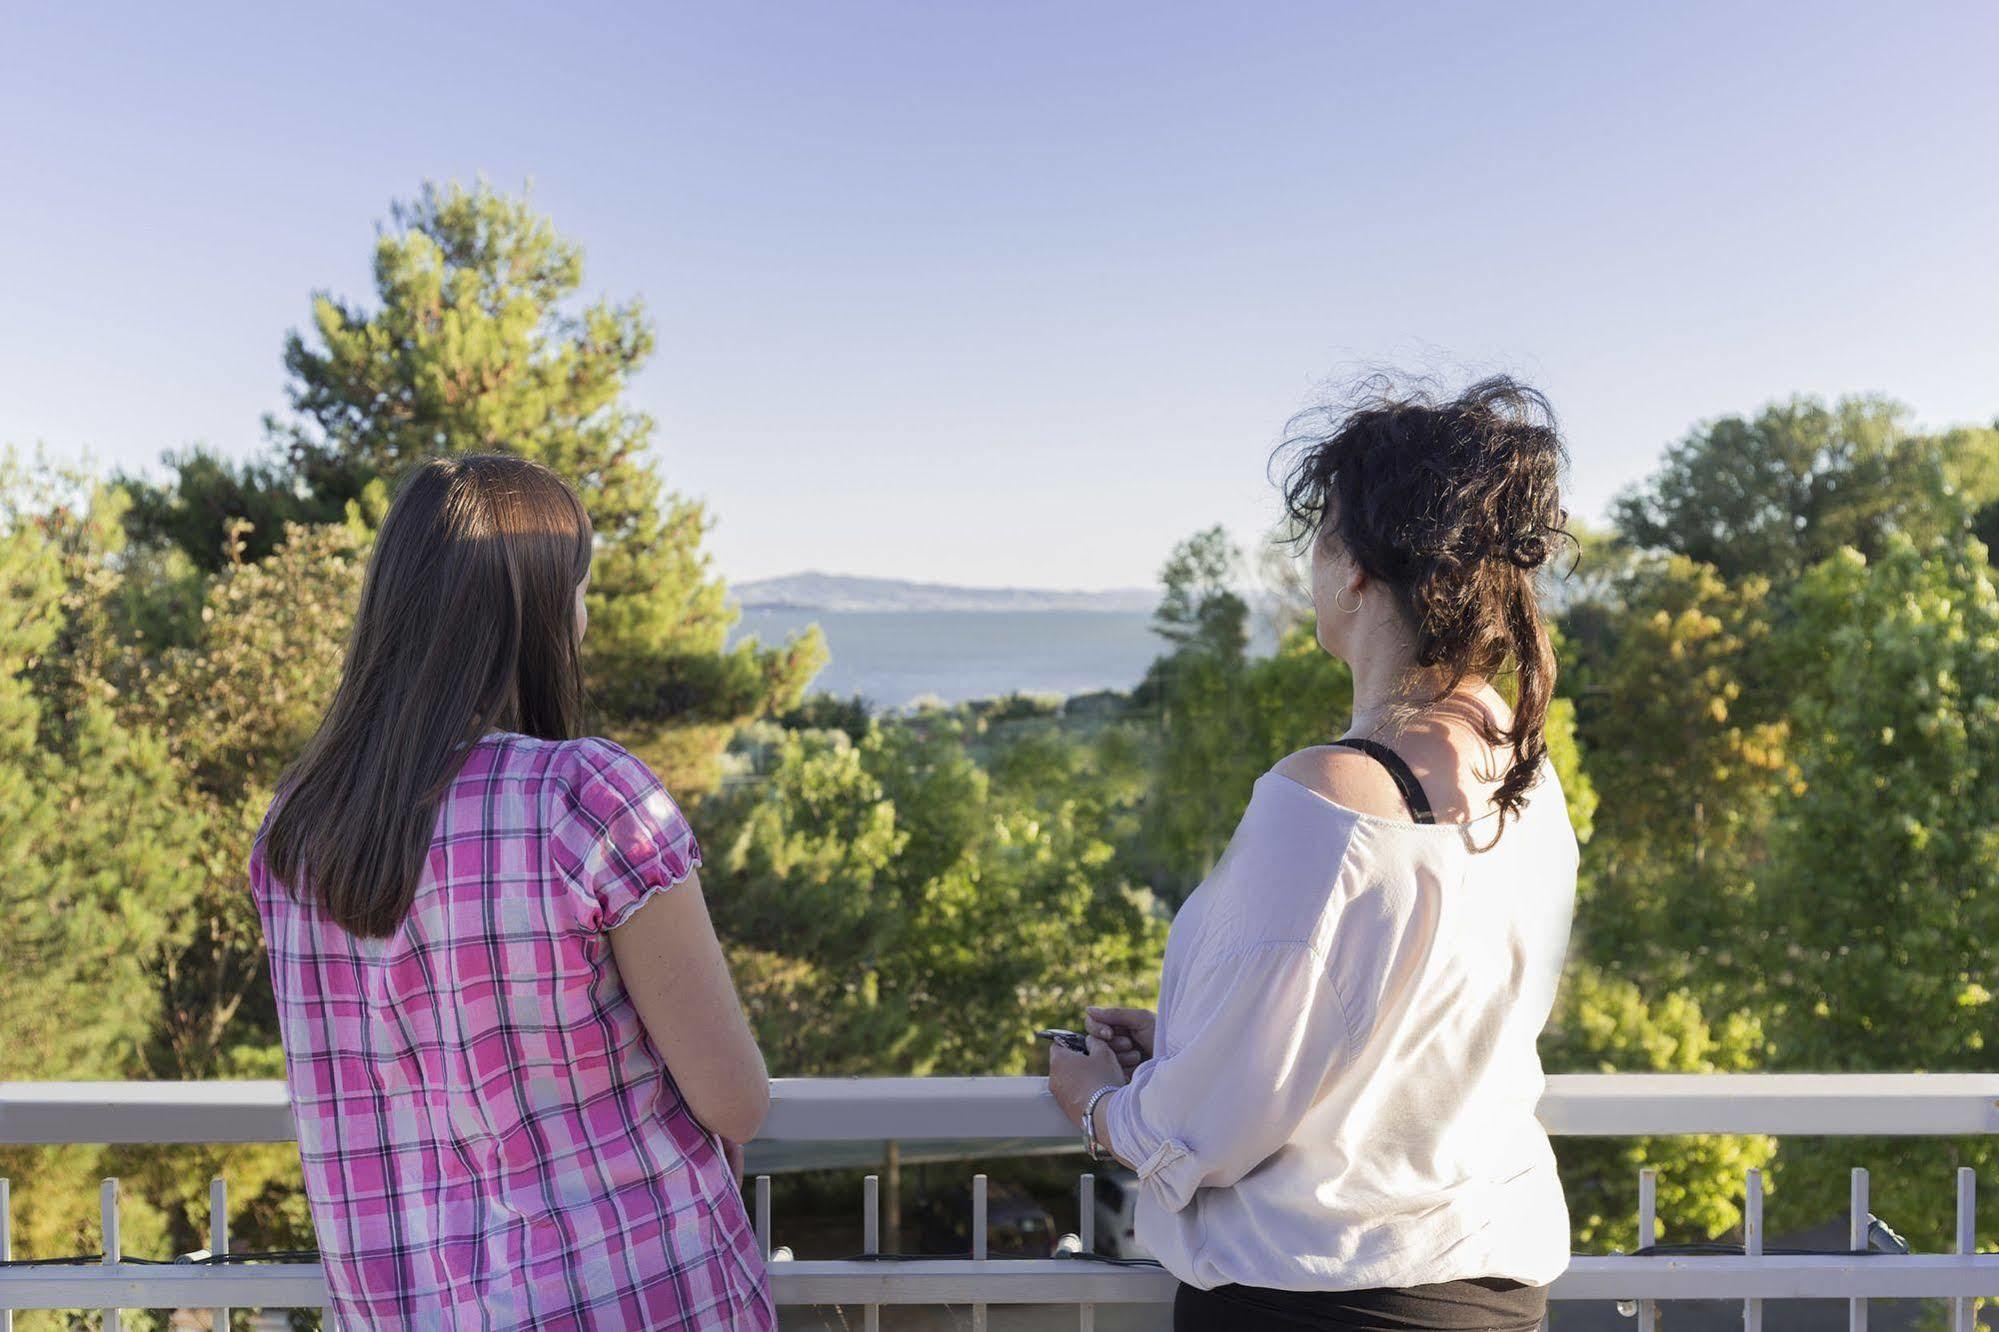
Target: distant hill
x=837, y=592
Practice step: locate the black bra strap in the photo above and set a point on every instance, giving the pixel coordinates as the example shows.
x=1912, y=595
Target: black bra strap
x=1405, y=780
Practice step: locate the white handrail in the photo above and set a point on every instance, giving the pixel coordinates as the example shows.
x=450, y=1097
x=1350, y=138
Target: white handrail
x=834, y=1109
x=850, y=1109
x=1061, y=1281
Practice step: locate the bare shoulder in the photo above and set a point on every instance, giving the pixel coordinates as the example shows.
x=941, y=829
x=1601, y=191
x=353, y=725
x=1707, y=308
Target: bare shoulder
x=1345, y=777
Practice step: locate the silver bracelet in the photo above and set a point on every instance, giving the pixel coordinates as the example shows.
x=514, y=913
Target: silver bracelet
x=1090, y=1120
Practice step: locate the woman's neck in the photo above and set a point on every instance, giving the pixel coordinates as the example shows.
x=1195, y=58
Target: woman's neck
x=1389, y=687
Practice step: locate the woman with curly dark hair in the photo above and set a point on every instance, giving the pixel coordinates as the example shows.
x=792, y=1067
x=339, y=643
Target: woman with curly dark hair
x=1332, y=1115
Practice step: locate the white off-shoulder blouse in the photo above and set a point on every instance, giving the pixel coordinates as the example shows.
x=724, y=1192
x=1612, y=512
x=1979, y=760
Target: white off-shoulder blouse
x=1343, y=1087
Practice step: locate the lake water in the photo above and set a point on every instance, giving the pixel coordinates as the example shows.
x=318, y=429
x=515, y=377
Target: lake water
x=892, y=658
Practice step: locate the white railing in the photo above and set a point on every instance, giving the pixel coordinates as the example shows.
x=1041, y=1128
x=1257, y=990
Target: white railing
x=909, y=1109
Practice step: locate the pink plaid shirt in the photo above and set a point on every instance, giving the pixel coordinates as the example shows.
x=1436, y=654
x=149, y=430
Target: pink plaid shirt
x=490, y=1139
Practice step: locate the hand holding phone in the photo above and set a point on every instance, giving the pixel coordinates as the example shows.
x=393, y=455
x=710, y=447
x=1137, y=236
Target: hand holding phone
x=1068, y=1040
x=1130, y=1032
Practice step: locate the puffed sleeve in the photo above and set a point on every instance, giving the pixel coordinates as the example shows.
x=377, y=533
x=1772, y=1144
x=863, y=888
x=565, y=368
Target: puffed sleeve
x=1255, y=1036
x=618, y=837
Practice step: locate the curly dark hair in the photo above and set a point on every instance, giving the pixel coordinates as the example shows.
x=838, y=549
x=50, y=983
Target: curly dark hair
x=1455, y=504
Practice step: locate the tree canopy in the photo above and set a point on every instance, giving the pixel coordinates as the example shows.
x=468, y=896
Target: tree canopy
x=1776, y=493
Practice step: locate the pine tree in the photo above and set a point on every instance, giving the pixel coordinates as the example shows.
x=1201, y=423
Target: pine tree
x=477, y=342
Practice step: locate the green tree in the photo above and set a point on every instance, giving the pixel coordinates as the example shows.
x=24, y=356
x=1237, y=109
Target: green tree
x=242, y=698
x=122, y=883
x=1224, y=717
x=1882, y=895
x=215, y=510
x=1605, y=1024
x=890, y=911
x=477, y=342
x=797, y=860
x=1200, y=608
x=1776, y=493
x=1973, y=454
x=105, y=846
x=1566, y=758
x=1686, y=745
x=1224, y=722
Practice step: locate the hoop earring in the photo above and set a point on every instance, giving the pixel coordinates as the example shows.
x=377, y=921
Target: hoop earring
x=1347, y=610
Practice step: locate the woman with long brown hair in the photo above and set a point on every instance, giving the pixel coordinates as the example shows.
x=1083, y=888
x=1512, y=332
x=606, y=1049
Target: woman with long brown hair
x=516, y=1060
x=1332, y=1114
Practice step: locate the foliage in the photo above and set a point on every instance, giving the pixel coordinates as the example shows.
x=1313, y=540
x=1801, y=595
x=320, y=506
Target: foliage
x=1224, y=723
x=1200, y=608
x=129, y=943
x=1884, y=885
x=1605, y=1024
x=825, y=712
x=1566, y=758
x=246, y=694
x=1776, y=493
x=475, y=343
x=1882, y=895
x=1686, y=741
x=1791, y=747
x=214, y=508
x=898, y=910
x=1224, y=717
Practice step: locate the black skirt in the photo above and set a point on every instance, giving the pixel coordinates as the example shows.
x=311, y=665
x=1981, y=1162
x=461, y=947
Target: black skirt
x=1487, y=1304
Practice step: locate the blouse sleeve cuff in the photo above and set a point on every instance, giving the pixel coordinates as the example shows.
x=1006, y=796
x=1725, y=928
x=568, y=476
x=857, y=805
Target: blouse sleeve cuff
x=1165, y=1166
x=626, y=905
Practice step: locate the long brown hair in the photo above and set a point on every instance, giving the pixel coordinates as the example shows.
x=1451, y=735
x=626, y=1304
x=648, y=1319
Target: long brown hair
x=467, y=623
x=1455, y=504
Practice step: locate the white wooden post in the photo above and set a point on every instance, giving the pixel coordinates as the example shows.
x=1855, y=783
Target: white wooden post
x=1752, y=1244
x=1857, y=1240
x=1967, y=1242
x=1648, y=1235
x=1086, y=1231
x=978, y=1242
x=107, y=1206
x=871, y=1237
x=218, y=1235
x=6, y=1242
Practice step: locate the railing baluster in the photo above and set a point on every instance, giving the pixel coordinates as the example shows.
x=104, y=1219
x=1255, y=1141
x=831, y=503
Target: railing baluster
x=1086, y=1231
x=1648, y=1234
x=107, y=1206
x=1967, y=1241
x=1752, y=1243
x=1857, y=1241
x=218, y=1235
x=871, y=1237
x=978, y=1242
x=6, y=1242
x=763, y=1215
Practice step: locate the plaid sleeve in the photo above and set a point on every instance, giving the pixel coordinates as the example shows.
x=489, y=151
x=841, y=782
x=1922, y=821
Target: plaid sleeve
x=619, y=837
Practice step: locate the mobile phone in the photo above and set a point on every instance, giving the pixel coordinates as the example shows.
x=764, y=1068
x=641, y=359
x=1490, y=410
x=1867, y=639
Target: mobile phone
x=1070, y=1040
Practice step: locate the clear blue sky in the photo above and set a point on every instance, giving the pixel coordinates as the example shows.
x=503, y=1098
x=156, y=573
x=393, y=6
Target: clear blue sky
x=1021, y=293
